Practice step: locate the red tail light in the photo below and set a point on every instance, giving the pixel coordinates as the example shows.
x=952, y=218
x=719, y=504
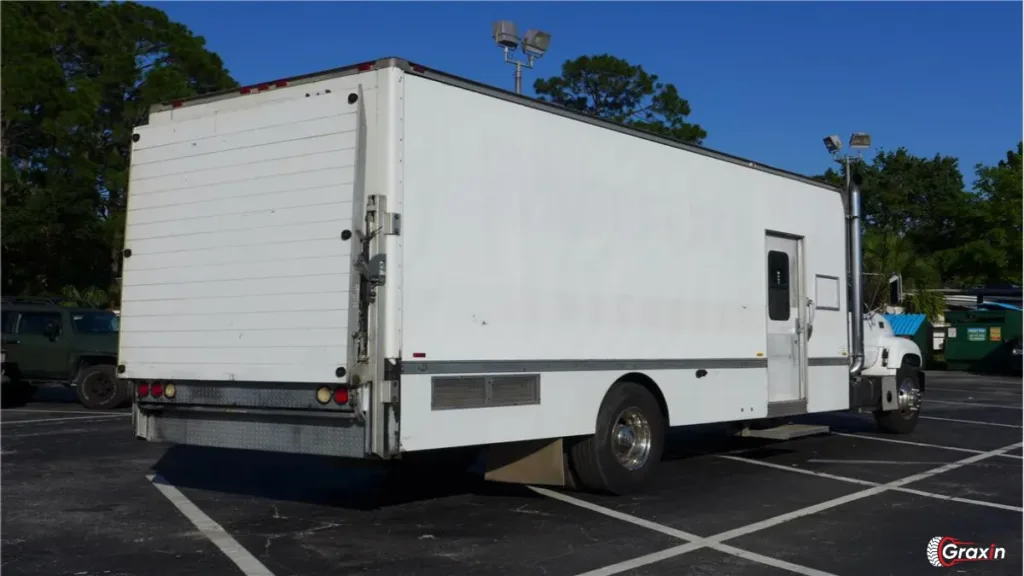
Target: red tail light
x=156, y=389
x=341, y=395
x=143, y=390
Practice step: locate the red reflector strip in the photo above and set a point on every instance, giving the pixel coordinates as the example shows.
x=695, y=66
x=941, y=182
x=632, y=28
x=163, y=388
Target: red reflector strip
x=177, y=103
x=280, y=84
x=245, y=90
x=419, y=355
x=263, y=87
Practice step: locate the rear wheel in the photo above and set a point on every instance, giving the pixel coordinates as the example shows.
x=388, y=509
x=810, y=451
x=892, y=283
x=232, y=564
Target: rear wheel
x=627, y=445
x=99, y=388
x=909, y=394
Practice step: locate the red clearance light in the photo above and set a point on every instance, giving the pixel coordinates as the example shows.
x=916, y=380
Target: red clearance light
x=418, y=68
x=142, y=390
x=156, y=389
x=177, y=103
x=341, y=395
x=245, y=90
x=419, y=355
x=365, y=66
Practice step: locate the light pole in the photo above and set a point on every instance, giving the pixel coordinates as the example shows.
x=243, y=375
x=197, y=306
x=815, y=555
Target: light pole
x=859, y=141
x=855, y=257
x=534, y=44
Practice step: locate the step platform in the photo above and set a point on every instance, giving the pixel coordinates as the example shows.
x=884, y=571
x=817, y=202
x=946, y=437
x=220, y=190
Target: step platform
x=785, y=432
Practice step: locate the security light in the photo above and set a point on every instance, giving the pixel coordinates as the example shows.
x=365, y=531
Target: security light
x=860, y=140
x=833, y=143
x=536, y=42
x=505, y=34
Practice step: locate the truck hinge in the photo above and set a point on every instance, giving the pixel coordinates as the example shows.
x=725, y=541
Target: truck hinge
x=392, y=369
x=392, y=224
x=379, y=220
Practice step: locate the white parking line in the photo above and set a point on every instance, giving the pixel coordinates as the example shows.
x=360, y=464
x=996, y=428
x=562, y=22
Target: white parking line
x=63, y=431
x=668, y=530
x=921, y=444
x=974, y=404
x=111, y=412
x=84, y=418
x=890, y=462
x=245, y=561
x=978, y=422
x=974, y=390
x=913, y=491
x=716, y=540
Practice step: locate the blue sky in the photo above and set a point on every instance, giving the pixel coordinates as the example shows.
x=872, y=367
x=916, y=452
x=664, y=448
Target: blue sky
x=765, y=79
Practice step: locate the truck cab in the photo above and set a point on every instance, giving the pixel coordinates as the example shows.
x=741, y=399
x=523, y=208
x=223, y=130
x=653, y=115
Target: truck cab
x=884, y=352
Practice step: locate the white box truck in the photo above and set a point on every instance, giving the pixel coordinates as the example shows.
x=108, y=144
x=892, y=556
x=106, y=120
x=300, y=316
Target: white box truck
x=384, y=260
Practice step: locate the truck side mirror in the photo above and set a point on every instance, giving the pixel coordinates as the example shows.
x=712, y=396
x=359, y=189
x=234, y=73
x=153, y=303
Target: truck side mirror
x=895, y=290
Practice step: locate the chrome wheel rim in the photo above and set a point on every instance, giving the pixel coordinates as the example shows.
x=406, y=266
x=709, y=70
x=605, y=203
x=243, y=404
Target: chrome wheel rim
x=631, y=439
x=908, y=397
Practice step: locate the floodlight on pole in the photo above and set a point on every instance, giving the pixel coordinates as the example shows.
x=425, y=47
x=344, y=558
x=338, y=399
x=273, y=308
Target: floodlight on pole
x=860, y=140
x=833, y=144
x=534, y=44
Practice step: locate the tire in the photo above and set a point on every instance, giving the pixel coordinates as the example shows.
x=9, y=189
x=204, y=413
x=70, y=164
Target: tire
x=99, y=388
x=595, y=460
x=903, y=421
x=14, y=392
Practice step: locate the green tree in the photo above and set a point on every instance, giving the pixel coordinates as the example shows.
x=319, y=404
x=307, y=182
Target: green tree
x=614, y=89
x=990, y=252
x=78, y=76
x=888, y=253
x=920, y=222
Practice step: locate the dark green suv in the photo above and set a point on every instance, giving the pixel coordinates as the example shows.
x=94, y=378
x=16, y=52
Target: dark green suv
x=47, y=341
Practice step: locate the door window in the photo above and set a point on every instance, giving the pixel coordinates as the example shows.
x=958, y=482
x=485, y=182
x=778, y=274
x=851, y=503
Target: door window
x=34, y=323
x=778, y=285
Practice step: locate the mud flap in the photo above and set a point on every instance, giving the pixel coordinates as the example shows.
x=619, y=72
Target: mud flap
x=890, y=400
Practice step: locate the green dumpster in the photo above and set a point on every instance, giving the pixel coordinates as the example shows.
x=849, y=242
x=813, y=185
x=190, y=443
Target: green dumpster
x=983, y=340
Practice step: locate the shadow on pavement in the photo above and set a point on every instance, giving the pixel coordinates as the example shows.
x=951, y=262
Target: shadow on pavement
x=52, y=394
x=321, y=480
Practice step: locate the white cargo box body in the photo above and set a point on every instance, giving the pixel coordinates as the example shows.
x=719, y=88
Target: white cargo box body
x=533, y=258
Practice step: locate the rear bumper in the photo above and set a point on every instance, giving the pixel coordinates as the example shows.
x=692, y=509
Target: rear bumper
x=266, y=416
x=272, y=431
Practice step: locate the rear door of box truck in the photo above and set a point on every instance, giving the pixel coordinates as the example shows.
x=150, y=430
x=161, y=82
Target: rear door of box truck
x=238, y=283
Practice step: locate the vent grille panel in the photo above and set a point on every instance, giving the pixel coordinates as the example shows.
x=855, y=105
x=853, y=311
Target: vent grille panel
x=461, y=392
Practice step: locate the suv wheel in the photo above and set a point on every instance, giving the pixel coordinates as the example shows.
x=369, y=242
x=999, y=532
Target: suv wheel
x=99, y=388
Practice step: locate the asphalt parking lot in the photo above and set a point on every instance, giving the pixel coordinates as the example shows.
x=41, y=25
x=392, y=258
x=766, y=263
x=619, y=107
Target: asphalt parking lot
x=81, y=496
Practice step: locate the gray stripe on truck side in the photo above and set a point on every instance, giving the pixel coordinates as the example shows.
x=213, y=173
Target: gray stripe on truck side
x=512, y=366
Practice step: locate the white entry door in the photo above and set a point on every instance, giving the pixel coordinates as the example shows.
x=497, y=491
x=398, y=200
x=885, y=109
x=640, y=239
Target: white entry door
x=784, y=316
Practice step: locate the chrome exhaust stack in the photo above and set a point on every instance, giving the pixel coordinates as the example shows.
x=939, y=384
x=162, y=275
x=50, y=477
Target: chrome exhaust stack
x=856, y=277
